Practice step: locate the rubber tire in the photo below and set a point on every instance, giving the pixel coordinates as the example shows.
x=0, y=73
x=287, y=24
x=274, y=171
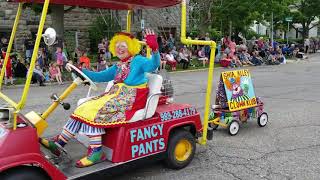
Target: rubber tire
x=233, y=121
x=24, y=173
x=259, y=123
x=175, y=137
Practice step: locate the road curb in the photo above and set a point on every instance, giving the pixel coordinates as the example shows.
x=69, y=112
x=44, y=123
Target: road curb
x=33, y=85
x=193, y=70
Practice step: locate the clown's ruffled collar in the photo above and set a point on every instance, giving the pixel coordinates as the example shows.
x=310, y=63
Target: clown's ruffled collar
x=126, y=60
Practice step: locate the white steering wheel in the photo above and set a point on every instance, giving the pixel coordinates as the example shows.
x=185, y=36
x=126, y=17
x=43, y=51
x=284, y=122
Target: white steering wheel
x=86, y=80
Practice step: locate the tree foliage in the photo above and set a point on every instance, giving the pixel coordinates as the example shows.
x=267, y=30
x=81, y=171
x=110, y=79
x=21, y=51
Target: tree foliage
x=56, y=12
x=240, y=14
x=306, y=13
x=102, y=27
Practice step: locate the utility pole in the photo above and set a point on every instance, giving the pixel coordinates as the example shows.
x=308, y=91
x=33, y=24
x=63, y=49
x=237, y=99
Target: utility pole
x=221, y=19
x=288, y=35
x=272, y=25
x=272, y=29
x=288, y=19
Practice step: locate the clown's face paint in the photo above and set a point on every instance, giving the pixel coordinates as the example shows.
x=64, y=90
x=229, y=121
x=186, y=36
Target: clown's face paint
x=122, y=50
x=236, y=88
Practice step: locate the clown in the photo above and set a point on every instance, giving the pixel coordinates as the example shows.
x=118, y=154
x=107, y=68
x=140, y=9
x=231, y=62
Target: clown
x=238, y=94
x=128, y=94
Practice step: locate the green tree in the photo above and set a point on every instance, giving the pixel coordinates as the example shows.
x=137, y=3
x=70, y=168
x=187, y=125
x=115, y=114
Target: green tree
x=305, y=12
x=102, y=27
x=57, y=15
x=237, y=15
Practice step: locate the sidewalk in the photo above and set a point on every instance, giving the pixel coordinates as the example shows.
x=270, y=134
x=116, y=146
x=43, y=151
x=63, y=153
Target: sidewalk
x=310, y=56
x=34, y=85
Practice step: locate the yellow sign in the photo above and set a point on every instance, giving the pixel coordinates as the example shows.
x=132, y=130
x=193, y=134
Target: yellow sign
x=239, y=89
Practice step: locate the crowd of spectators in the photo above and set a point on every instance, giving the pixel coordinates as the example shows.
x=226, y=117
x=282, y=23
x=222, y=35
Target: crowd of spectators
x=256, y=52
x=183, y=55
x=231, y=52
x=49, y=67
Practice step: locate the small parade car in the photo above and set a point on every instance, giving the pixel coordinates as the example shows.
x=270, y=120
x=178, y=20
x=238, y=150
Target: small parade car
x=236, y=102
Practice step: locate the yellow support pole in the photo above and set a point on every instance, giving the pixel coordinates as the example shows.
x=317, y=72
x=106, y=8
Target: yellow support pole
x=129, y=21
x=212, y=44
x=34, y=54
x=8, y=100
x=208, y=96
x=13, y=35
x=54, y=105
x=15, y=114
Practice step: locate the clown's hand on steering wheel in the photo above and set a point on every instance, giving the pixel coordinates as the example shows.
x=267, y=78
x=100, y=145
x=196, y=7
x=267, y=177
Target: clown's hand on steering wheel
x=78, y=75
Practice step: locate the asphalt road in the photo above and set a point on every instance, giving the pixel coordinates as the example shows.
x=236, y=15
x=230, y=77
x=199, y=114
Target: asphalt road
x=287, y=148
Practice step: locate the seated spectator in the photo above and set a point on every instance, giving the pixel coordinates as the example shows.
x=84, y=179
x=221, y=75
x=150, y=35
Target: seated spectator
x=163, y=61
x=184, y=58
x=244, y=57
x=279, y=56
x=226, y=61
x=298, y=54
x=55, y=73
x=20, y=69
x=84, y=59
x=295, y=52
x=102, y=63
x=174, y=52
x=82, y=65
x=171, y=60
x=218, y=53
x=271, y=57
x=227, y=51
x=202, y=57
x=46, y=75
x=256, y=59
x=236, y=61
x=37, y=75
x=232, y=47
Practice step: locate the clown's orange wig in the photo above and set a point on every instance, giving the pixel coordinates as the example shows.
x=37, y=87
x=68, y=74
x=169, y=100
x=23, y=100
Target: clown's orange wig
x=134, y=46
x=229, y=84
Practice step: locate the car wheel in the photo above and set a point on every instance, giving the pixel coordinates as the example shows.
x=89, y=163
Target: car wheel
x=263, y=119
x=24, y=173
x=181, y=149
x=234, y=127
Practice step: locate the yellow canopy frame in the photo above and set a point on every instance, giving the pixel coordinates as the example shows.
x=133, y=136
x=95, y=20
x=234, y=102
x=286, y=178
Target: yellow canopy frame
x=18, y=106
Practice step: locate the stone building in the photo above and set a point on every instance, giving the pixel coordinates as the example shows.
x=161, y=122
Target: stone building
x=78, y=20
